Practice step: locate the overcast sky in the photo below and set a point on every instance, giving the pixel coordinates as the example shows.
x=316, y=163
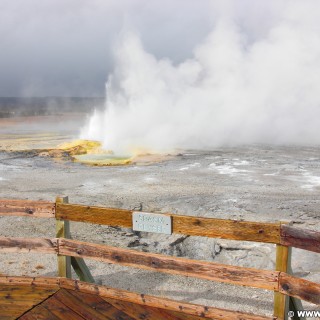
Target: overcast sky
x=64, y=47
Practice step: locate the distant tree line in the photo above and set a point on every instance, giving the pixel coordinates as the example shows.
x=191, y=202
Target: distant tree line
x=12, y=106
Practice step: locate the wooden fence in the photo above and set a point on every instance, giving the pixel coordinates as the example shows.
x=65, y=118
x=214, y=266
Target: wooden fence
x=289, y=290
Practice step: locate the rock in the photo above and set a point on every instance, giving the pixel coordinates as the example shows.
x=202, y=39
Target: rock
x=198, y=248
x=217, y=248
x=134, y=243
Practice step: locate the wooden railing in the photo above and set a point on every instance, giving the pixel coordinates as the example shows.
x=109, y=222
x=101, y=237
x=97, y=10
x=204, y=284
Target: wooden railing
x=288, y=289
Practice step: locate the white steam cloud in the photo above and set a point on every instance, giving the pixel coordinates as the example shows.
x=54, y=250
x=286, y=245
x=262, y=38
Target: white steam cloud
x=238, y=88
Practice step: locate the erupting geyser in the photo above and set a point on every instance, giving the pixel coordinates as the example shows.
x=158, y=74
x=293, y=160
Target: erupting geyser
x=249, y=81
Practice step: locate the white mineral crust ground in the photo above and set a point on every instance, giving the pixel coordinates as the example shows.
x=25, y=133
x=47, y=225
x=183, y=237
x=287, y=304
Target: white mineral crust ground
x=256, y=183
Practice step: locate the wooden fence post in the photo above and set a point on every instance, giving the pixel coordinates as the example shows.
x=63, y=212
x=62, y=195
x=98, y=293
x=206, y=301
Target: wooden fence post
x=284, y=303
x=63, y=231
x=283, y=257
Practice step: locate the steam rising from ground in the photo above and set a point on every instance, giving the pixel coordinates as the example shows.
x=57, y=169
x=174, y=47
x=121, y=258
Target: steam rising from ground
x=239, y=87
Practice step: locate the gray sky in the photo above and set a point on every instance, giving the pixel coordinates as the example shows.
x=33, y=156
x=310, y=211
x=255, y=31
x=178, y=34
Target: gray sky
x=64, y=47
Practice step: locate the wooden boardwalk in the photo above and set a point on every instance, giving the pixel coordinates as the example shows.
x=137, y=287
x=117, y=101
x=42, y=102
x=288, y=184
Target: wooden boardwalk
x=60, y=298
x=64, y=298
x=69, y=304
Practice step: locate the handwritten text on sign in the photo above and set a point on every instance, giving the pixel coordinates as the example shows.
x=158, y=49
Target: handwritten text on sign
x=151, y=222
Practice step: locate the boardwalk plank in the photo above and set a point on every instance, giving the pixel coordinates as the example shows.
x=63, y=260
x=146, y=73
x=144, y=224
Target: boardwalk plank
x=101, y=306
x=60, y=310
x=139, y=312
x=39, y=313
x=15, y=300
x=79, y=305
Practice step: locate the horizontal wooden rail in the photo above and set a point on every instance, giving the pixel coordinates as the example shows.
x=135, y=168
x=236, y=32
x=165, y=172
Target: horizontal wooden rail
x=157, y=302
x=28, y=245
x=299, y=288
x=275, y=233
x=37, y=282
x=172, y=265
x=141, y=299
x=40, y=209
x=194, y=226
x=150, y=261
x=300, y=238
x=92, y=214
x=270, y=280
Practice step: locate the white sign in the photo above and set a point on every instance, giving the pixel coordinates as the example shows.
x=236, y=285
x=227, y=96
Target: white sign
x=151, y=222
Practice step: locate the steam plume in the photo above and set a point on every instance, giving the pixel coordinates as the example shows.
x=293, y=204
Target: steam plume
x=239, y=87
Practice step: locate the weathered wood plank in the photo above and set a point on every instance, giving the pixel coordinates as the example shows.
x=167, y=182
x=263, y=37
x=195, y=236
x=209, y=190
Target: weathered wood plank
x=10, y=294
x=92, y=214
x=27, y=304
x=8, y=317
x=183, y=316
x=294, y=304
x=12, y=312
x=227, y=229
x=79, y=306
x=24, y=292
x=15, y=299
x=63, y=231
x=280, y=299
x=81, y=269
x=300, y=238
x=100, y=305
x=60, y=310
x=29, y=316
x=27, y=208
x=64, y=262
x=173, y=265
x=39, y=313
x=138, y=312
x=39, y=282
x=157, y=302
x=299, y=288
x=40, y=245
x=90, y=292
x=196, y=226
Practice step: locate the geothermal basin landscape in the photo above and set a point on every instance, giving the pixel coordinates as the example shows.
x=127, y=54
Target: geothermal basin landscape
x=207, y=110
x=249, y=182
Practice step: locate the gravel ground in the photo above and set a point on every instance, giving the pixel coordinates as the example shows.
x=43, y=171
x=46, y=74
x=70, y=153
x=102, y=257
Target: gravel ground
x=257, y=183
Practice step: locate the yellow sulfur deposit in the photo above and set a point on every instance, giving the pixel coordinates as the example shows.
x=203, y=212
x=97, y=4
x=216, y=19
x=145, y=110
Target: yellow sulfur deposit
x=83, y=151
x=77, y=147
x=60, y=147
x=90, y=152
x=102, y=159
